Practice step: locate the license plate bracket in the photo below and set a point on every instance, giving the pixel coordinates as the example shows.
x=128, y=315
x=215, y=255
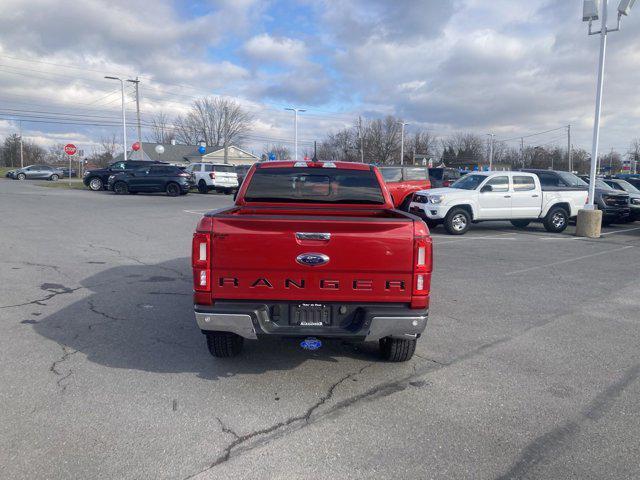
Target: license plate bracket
x=310, y=315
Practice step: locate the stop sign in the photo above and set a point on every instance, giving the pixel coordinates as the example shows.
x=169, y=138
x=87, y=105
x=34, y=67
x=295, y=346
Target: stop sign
x=70, y=149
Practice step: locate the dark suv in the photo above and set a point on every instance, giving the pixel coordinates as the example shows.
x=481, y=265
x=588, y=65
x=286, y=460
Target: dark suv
x=97, y=179
x=443, y=177
x=613, y=203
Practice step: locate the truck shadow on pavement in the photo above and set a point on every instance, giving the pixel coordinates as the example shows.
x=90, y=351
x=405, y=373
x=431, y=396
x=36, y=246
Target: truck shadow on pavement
x=141, y=317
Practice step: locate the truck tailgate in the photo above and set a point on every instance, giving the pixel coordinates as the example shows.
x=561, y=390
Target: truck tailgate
x=255, y=257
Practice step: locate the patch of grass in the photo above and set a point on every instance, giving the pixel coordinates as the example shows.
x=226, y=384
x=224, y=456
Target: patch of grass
x=75, y=184
x=4, y=170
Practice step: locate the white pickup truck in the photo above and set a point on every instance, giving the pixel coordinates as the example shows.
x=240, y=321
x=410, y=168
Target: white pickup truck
x=514, y=196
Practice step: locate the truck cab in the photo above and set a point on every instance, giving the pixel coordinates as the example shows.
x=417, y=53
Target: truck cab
x=403, y=182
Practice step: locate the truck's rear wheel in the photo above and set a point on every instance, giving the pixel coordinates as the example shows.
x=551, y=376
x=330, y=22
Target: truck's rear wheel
x=520, y=223
x=457, y=221
x=397, y=349
x=556, y=220
x=224, y=344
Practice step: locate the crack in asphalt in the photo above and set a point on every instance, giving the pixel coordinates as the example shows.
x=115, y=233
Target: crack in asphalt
x=54, y=292
x=304, y=420
x=553, y=440
x=66, y=353
x=109, y=317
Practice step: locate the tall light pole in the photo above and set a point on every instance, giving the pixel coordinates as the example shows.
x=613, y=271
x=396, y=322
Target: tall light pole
x=136, y=82
x=295, y=127
x=124, y=119
x=569, y=148
x=402, y=125
x=590, y=13
x=491, y=135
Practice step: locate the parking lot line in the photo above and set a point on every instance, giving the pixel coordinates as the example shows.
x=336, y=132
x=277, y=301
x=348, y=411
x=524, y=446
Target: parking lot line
x=492, y=237
x=196, y=212
x=621, y=231
x=568, y=260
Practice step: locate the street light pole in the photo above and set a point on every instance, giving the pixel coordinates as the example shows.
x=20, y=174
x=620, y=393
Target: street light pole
x=124, y=118
x=136, y=82
x=402, y=124
x=295, y=127
x=491, y=135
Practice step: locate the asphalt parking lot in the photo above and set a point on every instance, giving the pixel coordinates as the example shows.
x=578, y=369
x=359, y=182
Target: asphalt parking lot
x=529, y=367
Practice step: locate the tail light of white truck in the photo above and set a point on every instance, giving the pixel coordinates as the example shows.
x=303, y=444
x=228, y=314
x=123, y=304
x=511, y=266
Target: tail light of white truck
x=212, y=176
x=422, y=266
x=201, y=261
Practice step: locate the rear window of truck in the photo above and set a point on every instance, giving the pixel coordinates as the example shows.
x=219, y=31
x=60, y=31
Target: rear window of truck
x=314, y=185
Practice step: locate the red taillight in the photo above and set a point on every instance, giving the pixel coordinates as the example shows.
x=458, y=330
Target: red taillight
x=422, y=266
x=446, y=183
x=212, y=176
x=200, y=252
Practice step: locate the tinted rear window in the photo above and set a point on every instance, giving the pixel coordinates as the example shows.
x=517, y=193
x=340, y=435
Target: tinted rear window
x=314, y=185
x=415, y=174
x=391, y=174
x=224, y=168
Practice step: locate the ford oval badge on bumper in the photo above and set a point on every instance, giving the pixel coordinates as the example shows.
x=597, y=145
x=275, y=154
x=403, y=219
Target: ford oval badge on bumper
x=312, y=259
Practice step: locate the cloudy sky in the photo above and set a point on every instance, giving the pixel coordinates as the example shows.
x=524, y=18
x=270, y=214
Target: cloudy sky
x=512, y=67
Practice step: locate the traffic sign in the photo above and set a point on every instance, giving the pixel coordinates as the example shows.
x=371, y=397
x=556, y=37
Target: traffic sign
x=70, y=149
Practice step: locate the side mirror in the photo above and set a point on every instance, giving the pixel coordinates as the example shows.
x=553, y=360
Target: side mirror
x=486, y=188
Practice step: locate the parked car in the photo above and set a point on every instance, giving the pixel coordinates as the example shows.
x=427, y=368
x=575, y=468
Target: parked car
x=37, y=172
x=632, y=178
x=615, y=205
x=10, y=174
x=241, y=171
x=154, y=178
x=65, y=172
x=364, y=277
x=214, y=176
x=97, y=179
x=634, y=195
x=514, y=196
x=443, y=176
x=403, y=182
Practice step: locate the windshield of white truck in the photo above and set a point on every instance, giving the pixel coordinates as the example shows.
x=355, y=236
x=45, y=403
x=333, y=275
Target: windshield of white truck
x=314, y=185
x=469, y=182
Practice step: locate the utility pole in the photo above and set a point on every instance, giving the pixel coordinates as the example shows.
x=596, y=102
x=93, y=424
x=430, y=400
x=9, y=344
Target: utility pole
x=21, y=154
x=522, y=150
x=402, y=124
x=295, y=127
x=226, y=135
x=136, y=82
x=491, y=135
x=361, y=139
x=124, y=118
x=569, y=148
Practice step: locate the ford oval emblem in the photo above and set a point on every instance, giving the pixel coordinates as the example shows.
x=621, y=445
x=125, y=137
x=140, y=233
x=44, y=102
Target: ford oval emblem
x=312, y=259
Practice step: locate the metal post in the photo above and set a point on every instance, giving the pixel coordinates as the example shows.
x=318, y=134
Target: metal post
x=402, y=124
x=596, y=123
x=491, y=135
x=124, y=119
x=570, y=165
x=21, y=154
x=361, y=139
x=295, y=127
x=522, y=150
x=226, y=134
x=136, y=82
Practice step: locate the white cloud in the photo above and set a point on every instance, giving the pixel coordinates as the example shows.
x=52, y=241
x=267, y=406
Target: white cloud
x=265, y=48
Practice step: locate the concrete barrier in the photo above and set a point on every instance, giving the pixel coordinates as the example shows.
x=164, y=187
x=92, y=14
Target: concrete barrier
x=589, y=223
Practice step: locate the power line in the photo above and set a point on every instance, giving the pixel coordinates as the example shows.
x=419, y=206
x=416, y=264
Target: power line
x=532, y=134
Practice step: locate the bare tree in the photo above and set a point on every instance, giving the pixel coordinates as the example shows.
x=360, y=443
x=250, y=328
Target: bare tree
x=161, y=130
x=214, y=120
x=31, y=151
x=105, y=152
x=463, y=150
x=280, y=151
x=421, y=143
x=382, y=140
x=56, y=154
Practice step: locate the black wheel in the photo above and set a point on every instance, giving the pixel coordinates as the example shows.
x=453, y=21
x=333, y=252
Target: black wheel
x=457, y=221
x=520, y=223
x=96, y=184
x=431, y=223
x=21, y=176
x=202, y=187
x=556, y=220
x=224, y=344
x=397, y=349
x=173, y=189
x=120, y=188
x=54, y=177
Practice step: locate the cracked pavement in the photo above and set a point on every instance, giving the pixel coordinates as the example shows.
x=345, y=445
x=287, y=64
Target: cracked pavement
x=105, y=375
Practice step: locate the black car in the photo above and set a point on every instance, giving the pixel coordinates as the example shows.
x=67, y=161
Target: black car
x=633, y=179
x=154, y=178
x=241, y=171
x=634, y=195
x=614, y=204
x=97, y=179
x=65, y=172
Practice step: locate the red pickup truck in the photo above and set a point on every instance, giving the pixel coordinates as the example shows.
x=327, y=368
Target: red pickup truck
x=403, y=182
x=312, y=250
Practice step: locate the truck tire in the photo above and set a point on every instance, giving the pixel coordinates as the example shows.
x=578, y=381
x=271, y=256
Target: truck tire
x=520, y=223
x=557, y=220
x=457, y=221
x=120, y=188
x=224, y=344
x=202, y=187
x=397, y=349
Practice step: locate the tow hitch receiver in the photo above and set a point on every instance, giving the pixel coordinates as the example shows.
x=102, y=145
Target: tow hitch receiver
x=311, y=343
